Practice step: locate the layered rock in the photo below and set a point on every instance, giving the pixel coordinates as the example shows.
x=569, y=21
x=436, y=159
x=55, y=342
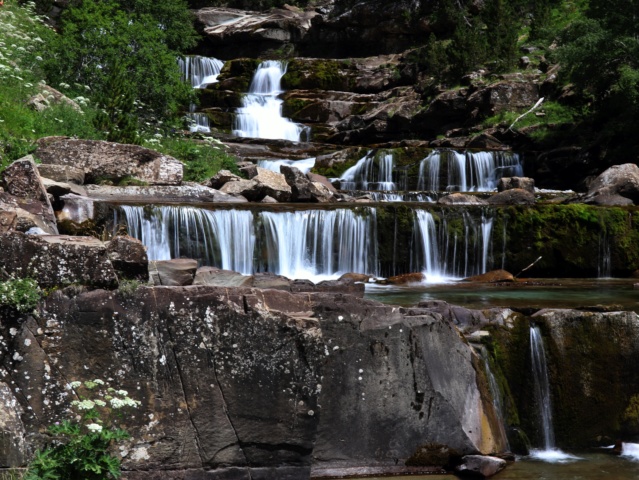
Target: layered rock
x=618, y=180
x=111, y=161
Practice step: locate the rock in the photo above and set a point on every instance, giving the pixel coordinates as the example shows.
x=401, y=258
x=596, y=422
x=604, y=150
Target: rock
x=617, y=180
x=605, y=200
x=320, y=193
x=176, y=272
x=57, y=260
x=249, y=170
x=524, y=62
x=315, y=178
x=220, y=178
x=461, y=199
x=62, y=173
x=49, y=95
x=494, y=276
x=129, y=258
x=216, y=277
x=508, y=183
x=504, y=96
x=406, y=278
x=58, y=189
x=75, y=208
x=111, y=161
x=268, y=280
x=268, y=199
x=299, y=183
x=273, y=184
x=435, y=454
x=356, y=277
x=22, y=214
x=192, y=194
x=342, y=286
x=22, y=180
x=515, y=196
x=14, y=449
x=246, y=188
x=480, y=466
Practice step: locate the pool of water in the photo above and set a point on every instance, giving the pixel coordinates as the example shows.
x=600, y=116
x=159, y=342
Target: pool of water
x=589, y=466
x=530, y=293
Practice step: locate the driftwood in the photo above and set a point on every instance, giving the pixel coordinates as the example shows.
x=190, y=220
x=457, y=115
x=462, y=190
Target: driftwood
x=529, y=266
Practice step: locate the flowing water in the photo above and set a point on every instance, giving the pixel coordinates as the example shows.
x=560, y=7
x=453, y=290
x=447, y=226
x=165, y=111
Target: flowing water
x=261, y=113
x=371, y=172
x=303, y=166
x=199, y=72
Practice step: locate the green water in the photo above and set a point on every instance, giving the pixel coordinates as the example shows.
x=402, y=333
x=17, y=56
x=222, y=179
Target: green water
x=532, y=293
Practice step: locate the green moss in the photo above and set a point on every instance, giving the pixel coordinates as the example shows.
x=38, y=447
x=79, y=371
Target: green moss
x=317, y=74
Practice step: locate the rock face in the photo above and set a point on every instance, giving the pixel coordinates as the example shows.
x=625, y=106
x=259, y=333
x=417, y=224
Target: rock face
x=620, y=180
x=176, y=272
x=110, y=161
x=22, y=181
x=508, y=183
x=57, y=260
x=239, y=380
x=129, y=259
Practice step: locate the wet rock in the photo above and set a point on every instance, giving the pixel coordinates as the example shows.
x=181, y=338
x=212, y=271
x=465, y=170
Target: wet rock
x=62, y=173
x=406, y=278
x=266, y=280
x=172, y=273
x=111, y=161
x=217, y=277
x=129, y=258
x=461, y=199
x=515, y=196
x=315, y=178
x=508, y=183
x=435, y=454
x=192, y=194
x=617, y=180
x=480, y=466
x=356, y=277
x=494, y=276
x=57, y=260
x=22, y=180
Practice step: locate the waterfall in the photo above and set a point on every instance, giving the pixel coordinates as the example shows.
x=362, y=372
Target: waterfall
x=467, y=171
x=318, y=244
x=223, y=238
x=303, y=166
x=604, y=264
x=456, y=248
x=371, y=172
x=400, y=197
x=200, y=71
x=542, y=386
x=311, y=244
x=495, y=392
x=261, y=113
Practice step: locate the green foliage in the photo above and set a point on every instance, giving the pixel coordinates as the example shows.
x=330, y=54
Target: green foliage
x=100, y=44
x=81, y=449
x=21, y=295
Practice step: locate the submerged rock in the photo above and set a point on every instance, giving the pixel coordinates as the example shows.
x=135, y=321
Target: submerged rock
x=480, y=466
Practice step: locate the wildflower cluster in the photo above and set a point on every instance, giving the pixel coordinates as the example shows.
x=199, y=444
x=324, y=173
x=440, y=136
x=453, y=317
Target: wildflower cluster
x=81, y=447
x=21, y=295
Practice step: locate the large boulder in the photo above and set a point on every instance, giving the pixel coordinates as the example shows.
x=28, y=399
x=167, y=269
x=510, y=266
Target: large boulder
x=129, y=258
x=22, y=181
x=57, y=260
x=514, y=196
x=508, y=183
x=620, y=180
x=111, y=161
x=461, y=199
x=173, y=273
x=265, y=183
x=62, y=173
x=299, y=183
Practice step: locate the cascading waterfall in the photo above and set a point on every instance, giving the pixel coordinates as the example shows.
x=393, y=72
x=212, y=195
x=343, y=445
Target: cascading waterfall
x=495, y=393
x=311, y=244
x=400, y=197
x=542, y=396
x=303, y=166
x=448, y=251
x=261, y=113
x=467, y=171
x=317, y=244
x=223, y=238
x=199, y=72
x=371, y=172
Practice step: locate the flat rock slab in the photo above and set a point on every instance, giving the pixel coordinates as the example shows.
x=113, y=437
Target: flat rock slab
x=57, y=260
x=108, y=160
x=173, y=273
x=193, y=194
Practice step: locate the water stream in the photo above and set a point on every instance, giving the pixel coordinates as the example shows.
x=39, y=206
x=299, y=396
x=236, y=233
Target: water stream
x=260, y=115
x=199, y=72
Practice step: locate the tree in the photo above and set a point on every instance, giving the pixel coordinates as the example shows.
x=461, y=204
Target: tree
x=96, y=35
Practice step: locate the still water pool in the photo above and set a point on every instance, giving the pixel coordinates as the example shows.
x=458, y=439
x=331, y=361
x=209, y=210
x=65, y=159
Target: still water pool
x=529, y=293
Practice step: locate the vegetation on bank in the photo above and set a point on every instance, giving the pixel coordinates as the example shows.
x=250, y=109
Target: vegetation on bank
x=134, y=98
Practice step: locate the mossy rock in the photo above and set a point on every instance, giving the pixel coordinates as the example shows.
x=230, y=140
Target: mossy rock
x=435, y=455
x=321, y=74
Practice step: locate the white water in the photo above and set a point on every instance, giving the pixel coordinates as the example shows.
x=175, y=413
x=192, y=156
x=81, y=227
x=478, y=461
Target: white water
x=320, y=244
x=604, y=264
x=223, y=238
x=467, y=171
x=199, y=72
x=303, y=166
x=312, y=244
x=630, y=451
x=261, y=113
x=549, y=453
x=496, y=394
x=445, y=256
x=371, y=172
x=400, y=197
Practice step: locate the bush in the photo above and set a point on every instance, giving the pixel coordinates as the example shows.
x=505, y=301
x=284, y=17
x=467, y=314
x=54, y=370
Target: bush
x=21, y=295
x=82, y=448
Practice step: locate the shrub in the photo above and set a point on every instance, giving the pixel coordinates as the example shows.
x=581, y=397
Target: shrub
x=21, y=295
x=81, y=448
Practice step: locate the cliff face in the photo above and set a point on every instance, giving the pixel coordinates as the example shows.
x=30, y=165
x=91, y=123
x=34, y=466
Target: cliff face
x=240, y=381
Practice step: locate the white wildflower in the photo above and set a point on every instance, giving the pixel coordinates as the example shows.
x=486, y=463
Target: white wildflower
x=94, y=427
x=75, y=384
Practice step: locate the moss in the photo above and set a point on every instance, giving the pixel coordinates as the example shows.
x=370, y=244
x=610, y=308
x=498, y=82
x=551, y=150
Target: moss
x=317, y=74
